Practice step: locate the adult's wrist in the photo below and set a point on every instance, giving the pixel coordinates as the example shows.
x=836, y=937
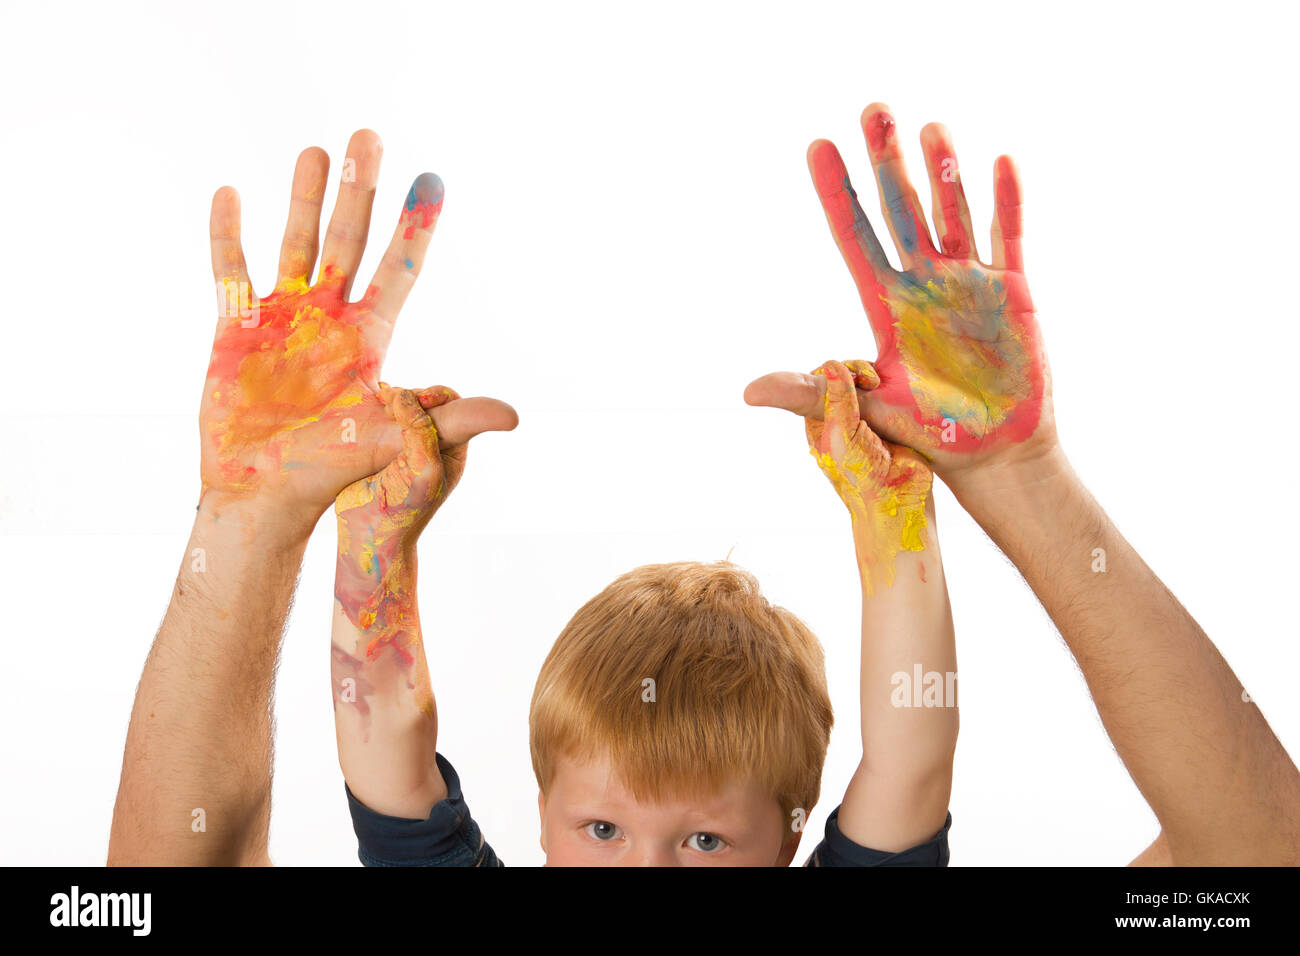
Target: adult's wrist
x=1011, y=471
x=260, y=519
x=1016, y=486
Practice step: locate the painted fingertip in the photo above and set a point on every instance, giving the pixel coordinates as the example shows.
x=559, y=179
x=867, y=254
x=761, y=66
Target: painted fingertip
x=436, y=395
x=864, y=374
x=427, y=188
x=878, y=125
x=423, y=205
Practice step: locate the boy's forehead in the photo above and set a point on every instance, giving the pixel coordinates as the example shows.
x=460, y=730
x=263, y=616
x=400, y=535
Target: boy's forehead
x=592, y=781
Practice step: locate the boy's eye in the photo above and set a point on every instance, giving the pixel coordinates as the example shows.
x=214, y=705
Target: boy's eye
x=603, y=831
x=705, y=842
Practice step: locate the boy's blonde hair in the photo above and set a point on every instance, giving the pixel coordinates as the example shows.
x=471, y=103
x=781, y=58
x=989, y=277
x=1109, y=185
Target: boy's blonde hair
x=739, y=688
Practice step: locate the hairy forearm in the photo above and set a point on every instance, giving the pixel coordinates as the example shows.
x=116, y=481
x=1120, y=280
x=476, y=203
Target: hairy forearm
x=899, y=796
x=1220, y=783
x=196, y=773
x=384, y=712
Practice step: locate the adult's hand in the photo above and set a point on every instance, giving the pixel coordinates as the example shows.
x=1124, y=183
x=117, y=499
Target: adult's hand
x=290, y=411
x=291, y=415
x=963, y=376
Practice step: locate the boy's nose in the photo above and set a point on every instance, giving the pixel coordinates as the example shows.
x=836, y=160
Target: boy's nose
x=651, y=854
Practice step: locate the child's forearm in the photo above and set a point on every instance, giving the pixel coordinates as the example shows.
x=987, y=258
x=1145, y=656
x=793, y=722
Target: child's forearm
x=384, y=714
x=899, y=796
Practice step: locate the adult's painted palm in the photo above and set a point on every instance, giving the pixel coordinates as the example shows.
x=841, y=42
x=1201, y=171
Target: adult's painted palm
x=962, y=371
x=291, y=407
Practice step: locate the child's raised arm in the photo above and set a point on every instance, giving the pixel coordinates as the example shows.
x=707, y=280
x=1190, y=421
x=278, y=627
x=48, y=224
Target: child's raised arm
x=384, y=714
x=898, y=798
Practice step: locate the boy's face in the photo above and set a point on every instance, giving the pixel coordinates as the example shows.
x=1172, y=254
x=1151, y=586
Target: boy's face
x=590, y=819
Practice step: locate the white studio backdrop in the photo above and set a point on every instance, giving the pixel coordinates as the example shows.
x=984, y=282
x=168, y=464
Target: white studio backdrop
x=629, y=237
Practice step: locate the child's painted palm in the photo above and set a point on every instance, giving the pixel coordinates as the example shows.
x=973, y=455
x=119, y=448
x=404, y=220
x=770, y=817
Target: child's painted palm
x=291, y=395
x=960, y=355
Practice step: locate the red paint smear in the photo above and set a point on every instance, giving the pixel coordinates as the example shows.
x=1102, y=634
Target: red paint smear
x=1007, y=191
x=828, y=178
x=954, y=240
x=423, y=215
x=880, y=132
x=276, y=314
x=829, y=175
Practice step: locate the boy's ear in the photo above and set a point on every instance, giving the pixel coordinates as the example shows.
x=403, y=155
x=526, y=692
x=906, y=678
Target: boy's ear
x=541, y=815
x=789, y=848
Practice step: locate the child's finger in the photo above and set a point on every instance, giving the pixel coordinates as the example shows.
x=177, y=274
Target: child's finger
x=865, y=375
x=436, y=396
x=419, y=434
x=839, y=409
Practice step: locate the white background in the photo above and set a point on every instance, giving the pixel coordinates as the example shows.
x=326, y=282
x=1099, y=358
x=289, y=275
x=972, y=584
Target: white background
x=629, y=237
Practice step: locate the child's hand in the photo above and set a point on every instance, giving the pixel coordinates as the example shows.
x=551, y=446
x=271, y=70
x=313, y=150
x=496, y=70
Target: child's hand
x=379, y=520
x=385, y=513
x=886, y=487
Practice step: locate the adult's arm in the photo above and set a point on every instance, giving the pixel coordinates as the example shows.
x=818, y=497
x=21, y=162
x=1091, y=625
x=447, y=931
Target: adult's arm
x=290, y=415
x=965, y=381
x=1222, y=786
x=196, y=775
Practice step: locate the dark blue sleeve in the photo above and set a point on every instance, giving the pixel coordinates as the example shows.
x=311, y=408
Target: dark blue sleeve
x=447, y=837
x=838, y=850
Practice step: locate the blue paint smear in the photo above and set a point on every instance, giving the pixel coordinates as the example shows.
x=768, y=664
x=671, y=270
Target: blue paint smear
x=426, y=188
x=862, y=226
x=899, y=215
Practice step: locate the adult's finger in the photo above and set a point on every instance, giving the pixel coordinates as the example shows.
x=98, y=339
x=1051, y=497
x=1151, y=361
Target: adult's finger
x=461, y=419
x=898, y=199
x=345, y=239
x=1007, y=216
x=302, y=230
x=403, y=258
x=853, y=234
x=803, y=395
x=948, y=199
x=235, y=297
